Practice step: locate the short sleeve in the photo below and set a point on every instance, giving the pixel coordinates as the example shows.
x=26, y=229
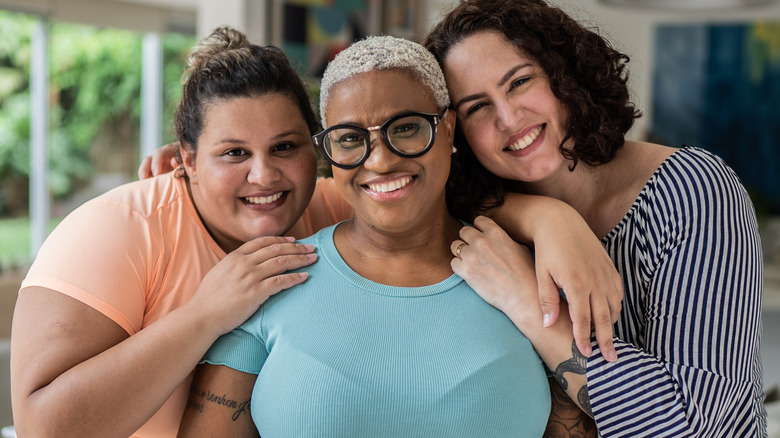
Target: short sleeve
x=100, y=255
x=242, y=349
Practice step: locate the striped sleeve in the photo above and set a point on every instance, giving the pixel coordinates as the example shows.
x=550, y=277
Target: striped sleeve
x=688, y=338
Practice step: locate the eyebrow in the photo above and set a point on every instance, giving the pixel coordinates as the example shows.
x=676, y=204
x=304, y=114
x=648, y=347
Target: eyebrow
x=359, y=125
x=501, y=82
x=242, y=142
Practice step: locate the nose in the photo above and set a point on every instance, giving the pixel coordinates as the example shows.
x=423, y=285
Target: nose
x=262, y=171
x=507, y=115
x=381, y=157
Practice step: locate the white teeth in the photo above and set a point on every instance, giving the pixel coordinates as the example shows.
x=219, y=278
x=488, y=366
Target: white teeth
x=390, y=186
x=263, y=199
x=525, y=141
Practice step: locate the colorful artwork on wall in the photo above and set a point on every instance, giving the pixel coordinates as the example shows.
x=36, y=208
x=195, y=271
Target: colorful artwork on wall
x=717, y=86
x=315, y=30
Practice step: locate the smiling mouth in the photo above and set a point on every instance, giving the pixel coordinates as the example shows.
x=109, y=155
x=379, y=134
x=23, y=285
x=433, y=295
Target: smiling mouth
x=390, y=186
x=261, y=200
x=526, y=140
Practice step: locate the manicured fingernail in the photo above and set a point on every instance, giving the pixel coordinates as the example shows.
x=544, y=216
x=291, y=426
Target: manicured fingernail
x=588, y=351
x=611, y=356
x=547, y=320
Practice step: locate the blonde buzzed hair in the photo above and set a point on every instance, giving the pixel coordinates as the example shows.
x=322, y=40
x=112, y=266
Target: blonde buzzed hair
x=384, y=53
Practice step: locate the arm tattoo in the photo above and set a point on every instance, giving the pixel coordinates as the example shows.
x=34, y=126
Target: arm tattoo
x=566, y=418
x=577, y=365
x=199, y=397
x=584, y=399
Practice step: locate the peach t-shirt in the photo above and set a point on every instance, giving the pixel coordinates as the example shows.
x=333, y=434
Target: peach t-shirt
x=140, y=251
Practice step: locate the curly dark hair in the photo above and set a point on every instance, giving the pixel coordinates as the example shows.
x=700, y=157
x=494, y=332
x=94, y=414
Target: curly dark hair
x=586, y=74
x=225, y=65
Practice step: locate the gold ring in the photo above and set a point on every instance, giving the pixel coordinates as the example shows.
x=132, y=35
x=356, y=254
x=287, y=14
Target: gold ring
x=457, y=250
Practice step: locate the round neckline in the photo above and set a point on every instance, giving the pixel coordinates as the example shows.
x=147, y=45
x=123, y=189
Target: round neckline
x=330, y=254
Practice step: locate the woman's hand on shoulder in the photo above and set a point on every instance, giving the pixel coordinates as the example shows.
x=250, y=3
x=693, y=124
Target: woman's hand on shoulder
x=162, y=160
x=236, y=287
x=566, y=258
x=499, y=269
x=571, y=259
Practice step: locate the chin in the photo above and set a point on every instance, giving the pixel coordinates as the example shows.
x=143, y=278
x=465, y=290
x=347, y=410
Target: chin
x=272, y=229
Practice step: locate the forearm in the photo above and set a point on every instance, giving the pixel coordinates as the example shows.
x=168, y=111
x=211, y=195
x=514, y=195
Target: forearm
x=115, y=392
x=524, y=217
x=555, y=345
x=566, y=418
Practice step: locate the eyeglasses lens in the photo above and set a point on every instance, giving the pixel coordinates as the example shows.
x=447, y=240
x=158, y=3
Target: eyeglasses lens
x=409, y=135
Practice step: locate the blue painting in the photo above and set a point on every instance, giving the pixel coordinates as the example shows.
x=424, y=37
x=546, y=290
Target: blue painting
x=717, y=86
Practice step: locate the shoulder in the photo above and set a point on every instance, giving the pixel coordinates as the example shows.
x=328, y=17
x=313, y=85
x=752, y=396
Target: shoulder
x=322, y=237
x=146, y=197
x=694, y=175
x=694, y=164
x=135, y=215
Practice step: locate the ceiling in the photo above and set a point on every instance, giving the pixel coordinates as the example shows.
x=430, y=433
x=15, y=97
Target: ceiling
x=689, y=4
x=139, y=15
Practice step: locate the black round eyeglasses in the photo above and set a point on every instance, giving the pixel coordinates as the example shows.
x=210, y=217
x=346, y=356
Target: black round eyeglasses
x=408, y=134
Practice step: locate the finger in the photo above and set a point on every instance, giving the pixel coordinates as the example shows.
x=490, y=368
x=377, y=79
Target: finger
x=263, y=242
x=484, y=223
x=616, y=299
x=277, y=283
x=276, y=266
x=469, y=234
x=456, y=248
x=550, y=299
x=603, y=328
x=579, y=310
x=277, y=259
x=144, y=170
x=157, y=164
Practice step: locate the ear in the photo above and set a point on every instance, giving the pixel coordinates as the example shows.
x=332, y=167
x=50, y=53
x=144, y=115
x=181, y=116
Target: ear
x=188, y=156
x=448, y=120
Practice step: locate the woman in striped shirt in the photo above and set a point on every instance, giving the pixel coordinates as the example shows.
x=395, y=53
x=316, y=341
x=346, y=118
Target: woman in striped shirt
x=543, y=104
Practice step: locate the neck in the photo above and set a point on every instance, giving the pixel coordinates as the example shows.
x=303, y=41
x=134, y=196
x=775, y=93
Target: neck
x=603, y=194
x=407, y=258
x=579, y=188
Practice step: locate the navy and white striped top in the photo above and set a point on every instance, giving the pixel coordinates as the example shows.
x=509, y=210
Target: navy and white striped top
x=688, y=337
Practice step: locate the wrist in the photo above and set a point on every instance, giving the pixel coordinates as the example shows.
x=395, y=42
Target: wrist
x=200, y=322
x=526, y=316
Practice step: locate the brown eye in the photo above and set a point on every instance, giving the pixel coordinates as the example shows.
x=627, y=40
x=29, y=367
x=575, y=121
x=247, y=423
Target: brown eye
x=474, y=108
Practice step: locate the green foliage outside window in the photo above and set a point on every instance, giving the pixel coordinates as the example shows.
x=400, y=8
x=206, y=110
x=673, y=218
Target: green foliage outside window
x=94, y=81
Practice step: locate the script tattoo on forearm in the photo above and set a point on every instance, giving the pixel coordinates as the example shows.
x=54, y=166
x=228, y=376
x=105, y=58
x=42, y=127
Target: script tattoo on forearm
x=198, y=397
x=577, y=365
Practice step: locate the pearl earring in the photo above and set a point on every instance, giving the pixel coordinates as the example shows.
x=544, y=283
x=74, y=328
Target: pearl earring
x=454, y=149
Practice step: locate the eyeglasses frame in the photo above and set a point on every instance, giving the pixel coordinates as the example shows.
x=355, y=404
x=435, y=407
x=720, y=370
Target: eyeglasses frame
x=433, y=119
